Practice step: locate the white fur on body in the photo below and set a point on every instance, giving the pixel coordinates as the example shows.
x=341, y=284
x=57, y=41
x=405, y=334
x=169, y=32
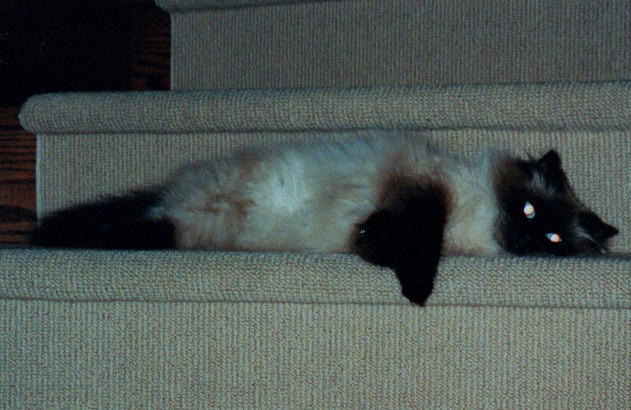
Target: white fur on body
x=309, y=197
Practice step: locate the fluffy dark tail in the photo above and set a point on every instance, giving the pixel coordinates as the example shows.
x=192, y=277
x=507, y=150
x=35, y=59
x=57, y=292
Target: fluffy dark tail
x=113, y=223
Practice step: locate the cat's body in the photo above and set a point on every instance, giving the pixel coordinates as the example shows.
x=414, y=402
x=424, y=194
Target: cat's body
x=310, y=197
x=394, y=201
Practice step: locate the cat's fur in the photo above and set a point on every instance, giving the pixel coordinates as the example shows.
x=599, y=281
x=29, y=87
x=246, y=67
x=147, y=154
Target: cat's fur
x=395, y=202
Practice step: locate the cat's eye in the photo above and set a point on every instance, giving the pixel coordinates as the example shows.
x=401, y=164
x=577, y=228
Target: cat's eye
x=553, y=237
x=529, y=210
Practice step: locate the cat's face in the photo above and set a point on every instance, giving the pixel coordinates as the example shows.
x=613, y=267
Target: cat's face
x=539, y=213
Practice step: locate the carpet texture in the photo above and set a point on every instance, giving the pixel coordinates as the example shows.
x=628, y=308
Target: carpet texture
x=297, y=356
x=177, y=276
x=556, y=106
x=192, y=5
x=371, y=42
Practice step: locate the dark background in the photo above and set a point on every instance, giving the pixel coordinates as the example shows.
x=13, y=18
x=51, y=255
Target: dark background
x=62, y=46
x=76, y=45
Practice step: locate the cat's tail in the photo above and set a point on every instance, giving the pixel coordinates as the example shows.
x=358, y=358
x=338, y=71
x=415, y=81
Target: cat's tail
x=113, y=223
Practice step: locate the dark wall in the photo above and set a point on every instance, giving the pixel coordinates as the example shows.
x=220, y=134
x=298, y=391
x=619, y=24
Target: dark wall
x=63, y=45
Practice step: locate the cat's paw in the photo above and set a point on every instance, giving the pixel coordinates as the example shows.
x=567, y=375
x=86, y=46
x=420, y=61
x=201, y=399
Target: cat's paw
x=417, y=294
x=376, y=239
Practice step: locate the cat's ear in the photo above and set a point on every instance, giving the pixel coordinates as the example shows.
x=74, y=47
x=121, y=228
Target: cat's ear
x=595, y=227
x=549, y=166
x=550, y=162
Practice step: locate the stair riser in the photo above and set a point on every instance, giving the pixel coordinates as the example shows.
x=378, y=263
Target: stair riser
x=371, y=42
x=81, y=167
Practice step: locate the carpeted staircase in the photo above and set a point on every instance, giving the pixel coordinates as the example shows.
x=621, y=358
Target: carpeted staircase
x=114, y=329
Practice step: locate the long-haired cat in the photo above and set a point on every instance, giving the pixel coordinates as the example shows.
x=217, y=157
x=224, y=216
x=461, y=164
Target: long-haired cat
x=396, y=202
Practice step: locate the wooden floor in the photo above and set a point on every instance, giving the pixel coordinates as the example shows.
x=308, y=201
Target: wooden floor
x=17, y=176
x=151, y=48
x=150, y=71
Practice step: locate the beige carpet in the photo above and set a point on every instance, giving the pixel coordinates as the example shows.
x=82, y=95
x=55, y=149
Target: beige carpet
x=99, y=329
x=370, y=42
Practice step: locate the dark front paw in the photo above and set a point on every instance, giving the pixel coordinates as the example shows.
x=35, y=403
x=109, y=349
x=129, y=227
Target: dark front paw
x=377, y=239
x=417, y=294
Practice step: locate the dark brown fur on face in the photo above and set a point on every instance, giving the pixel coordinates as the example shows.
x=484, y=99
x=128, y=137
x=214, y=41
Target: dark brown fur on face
x=558, y=214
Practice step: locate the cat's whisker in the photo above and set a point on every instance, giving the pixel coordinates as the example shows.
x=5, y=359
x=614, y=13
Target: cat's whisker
x=590, y=250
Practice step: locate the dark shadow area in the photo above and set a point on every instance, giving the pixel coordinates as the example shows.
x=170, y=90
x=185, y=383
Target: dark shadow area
x=63, y=45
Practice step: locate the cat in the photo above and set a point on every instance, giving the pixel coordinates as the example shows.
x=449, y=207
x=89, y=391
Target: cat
x=396, y=202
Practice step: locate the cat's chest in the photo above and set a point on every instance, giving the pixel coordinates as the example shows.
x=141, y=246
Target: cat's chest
x=472, y=220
